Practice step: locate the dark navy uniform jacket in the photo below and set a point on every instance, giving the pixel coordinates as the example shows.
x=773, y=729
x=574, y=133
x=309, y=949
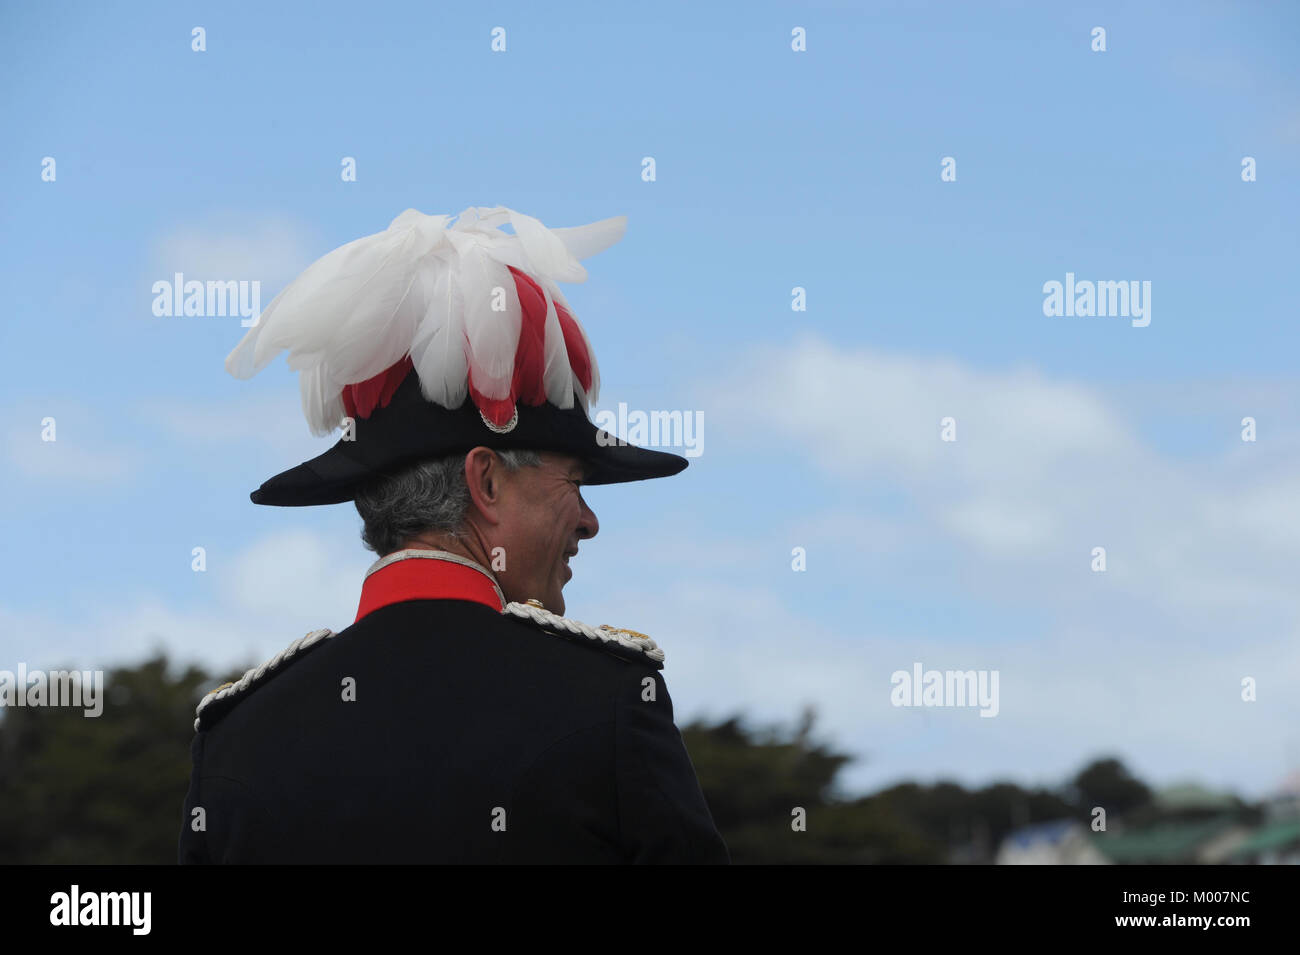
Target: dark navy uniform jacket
x=446, y=731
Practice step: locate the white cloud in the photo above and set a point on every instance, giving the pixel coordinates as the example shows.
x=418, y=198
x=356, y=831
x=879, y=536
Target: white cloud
x=272, y=251
x=269, y=418
x=276, y=590
x=64, y=459
x=1042, y=471
x=869, y=412
x=296, y=572
x=1002, y=527
x=82, y=450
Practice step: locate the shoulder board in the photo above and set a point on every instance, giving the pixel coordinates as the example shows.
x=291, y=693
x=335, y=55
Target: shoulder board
x=627, y=644
x=223, y=699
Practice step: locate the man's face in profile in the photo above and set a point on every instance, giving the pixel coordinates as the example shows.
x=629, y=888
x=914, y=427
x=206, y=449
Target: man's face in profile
x=543, y=517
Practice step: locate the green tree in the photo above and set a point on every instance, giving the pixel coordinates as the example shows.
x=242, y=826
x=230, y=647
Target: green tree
x=1107, y=782
x=755, y=779
x=101, y=790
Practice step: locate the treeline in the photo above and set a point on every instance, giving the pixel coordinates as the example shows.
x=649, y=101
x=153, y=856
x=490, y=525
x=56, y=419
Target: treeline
x=110, y=789
x=757, y=780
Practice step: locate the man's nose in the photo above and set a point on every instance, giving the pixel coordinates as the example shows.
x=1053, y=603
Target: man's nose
x=588, y=526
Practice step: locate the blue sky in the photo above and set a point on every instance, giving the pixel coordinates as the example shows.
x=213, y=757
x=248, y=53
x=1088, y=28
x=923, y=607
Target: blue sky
x=775, y=169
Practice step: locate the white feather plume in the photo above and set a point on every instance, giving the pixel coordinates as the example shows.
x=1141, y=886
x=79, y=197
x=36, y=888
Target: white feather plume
x=425, y=287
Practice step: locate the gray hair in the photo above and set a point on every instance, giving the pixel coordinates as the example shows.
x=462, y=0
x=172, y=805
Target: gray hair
x=429, y=496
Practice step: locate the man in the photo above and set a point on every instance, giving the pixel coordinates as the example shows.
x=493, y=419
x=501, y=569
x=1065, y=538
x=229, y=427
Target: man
x=460, y=718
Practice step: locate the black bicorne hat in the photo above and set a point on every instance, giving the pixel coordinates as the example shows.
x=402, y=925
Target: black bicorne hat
x=411, y=428
x=434, y=337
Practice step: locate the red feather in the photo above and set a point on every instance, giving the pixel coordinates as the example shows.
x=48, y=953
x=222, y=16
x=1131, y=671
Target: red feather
x=529, y=384
x=361, y=400
x=576, y=347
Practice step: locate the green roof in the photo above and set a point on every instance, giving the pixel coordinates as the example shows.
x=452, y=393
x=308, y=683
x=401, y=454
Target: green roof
x=1168, y=842
x=1193, y=796
x=1275, y=835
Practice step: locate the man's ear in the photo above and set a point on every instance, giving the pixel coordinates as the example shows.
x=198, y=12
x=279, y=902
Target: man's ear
x=485, y=477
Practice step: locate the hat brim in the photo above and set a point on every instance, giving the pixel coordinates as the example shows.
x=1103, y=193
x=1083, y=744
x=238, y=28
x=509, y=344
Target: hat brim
x=412, y=429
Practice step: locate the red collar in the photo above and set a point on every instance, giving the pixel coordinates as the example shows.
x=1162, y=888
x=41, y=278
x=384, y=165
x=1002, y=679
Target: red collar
x=423, y=575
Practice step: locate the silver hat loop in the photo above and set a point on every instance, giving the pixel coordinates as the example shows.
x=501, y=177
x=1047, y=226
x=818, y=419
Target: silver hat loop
x=503, y=429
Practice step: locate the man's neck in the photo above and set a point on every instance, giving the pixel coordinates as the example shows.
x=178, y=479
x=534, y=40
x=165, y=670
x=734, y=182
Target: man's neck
x=470, y=548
